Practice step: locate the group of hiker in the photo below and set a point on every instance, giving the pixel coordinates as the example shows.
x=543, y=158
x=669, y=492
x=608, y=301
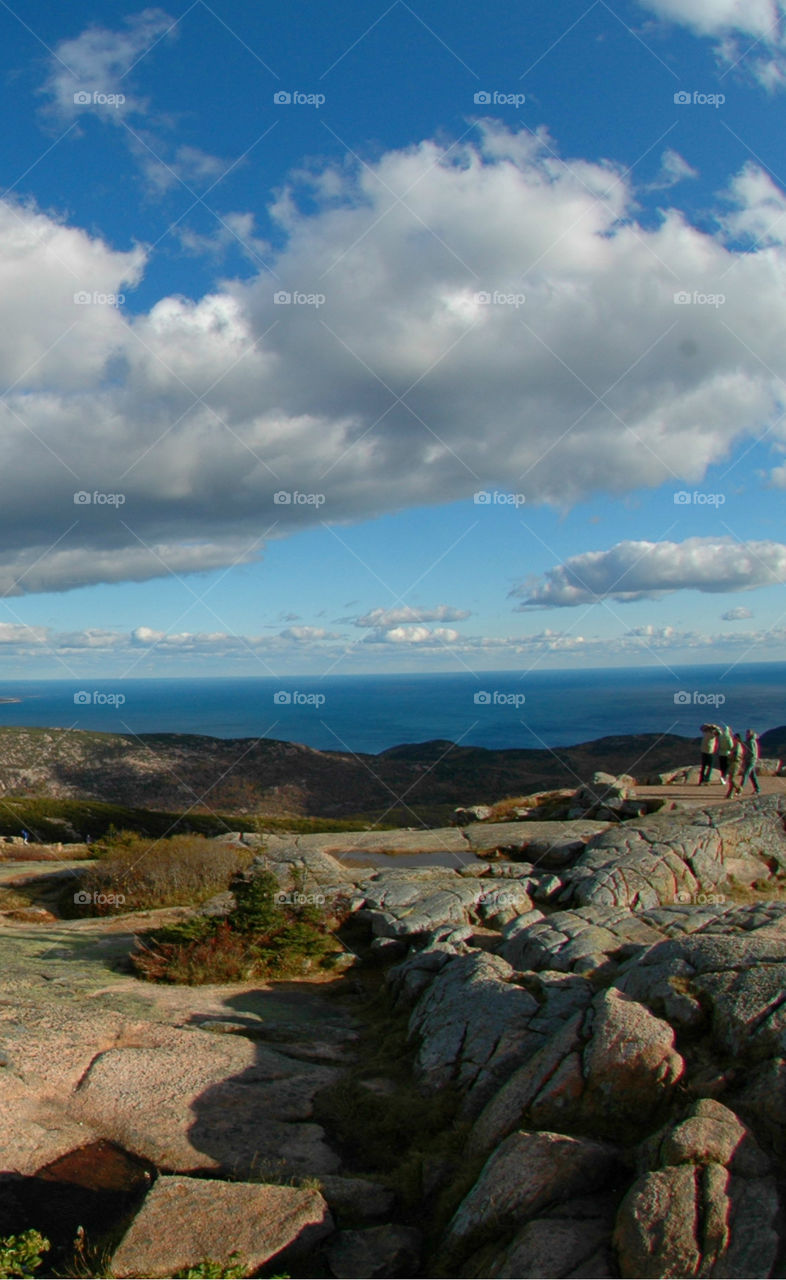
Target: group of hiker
x=735, y=758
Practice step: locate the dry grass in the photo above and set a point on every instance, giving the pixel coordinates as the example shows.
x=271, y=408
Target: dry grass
x=135, y=874
x=542, y=801
x=737, y=894
x=13, y=900
x=44, y=852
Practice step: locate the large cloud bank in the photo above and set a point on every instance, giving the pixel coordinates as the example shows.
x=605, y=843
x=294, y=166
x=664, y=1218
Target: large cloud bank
x=193, y=432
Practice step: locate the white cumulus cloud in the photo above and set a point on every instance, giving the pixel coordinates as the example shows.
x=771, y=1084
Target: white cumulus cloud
x=198, y=411
x=647, y=570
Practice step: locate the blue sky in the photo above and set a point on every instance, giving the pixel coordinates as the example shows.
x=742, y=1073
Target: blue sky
x=493, y=299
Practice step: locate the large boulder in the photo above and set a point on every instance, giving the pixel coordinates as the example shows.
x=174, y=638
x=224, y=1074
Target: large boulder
x=708, y=1207
x=606, y=796
x=389, y=1250
x=525, y=1175
x=187, y=1100
x=474, y=1022
x=681, y=857
x=471, y=1021
x=185, y=1221
x=580, y=939
x=606, y=1071
x=727, y=978
x=405, y=903
x=570, y=1239
x=462, y=817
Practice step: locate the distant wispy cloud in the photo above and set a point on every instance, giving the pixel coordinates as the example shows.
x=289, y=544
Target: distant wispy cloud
x=673, y=169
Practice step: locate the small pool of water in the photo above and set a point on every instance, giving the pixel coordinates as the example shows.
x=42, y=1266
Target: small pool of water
x=401, y=860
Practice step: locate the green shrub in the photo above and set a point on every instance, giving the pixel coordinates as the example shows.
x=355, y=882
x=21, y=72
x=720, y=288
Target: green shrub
x=266, y=935
x=135, y=874
x=21, y=1255
x=209, y=1270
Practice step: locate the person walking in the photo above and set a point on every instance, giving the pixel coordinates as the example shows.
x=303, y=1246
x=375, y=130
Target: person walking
x=725, y=744
x=752, y=761
x=709, y=748
x=738, y=759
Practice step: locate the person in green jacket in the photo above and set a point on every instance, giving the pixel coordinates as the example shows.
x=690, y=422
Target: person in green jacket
x=751, y=761
x=738, y=761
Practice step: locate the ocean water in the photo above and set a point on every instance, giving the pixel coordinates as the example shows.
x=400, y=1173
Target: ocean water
x=372, y=713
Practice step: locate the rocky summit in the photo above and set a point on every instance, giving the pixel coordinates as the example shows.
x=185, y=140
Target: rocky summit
x=547, y=1047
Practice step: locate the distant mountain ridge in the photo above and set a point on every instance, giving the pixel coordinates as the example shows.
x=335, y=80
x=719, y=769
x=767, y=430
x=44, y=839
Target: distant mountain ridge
x=187, y=771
